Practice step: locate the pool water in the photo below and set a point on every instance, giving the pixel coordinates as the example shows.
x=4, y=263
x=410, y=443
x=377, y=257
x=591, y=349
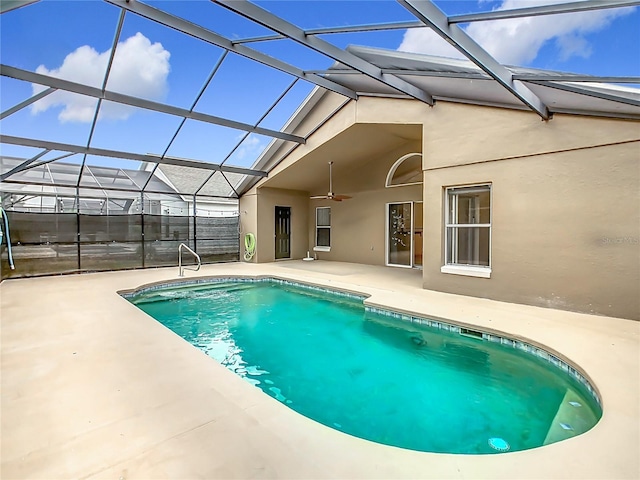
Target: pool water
x=376, y=377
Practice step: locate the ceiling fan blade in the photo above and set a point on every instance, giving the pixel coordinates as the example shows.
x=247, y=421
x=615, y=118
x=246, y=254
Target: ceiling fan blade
x=330, y=195
x=339, y=198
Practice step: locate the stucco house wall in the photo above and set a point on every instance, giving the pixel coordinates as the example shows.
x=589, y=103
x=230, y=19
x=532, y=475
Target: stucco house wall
x=565, y=205
x=358, y=225
x=262, y=224
x=565, y=199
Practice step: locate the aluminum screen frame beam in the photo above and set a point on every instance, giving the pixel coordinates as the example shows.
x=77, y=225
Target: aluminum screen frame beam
x=103, y=188
x=372, y=27
x=590, y=93
x=269, y=110
x=413, y=73
x=594, y=113
x=273, y=105
x=95, y=92
x=432, y=16
x=524, y=77
x=105, y=80
x=570, y=7
x=574, y=78
x=103, y=152
x=8, y=5
x=26, y=103
x=24, y=165
x=45, y=162
x=204, y=87
x=277, y=24
x=213, y=38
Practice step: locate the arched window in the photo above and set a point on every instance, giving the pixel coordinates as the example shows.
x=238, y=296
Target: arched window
x=407, y=170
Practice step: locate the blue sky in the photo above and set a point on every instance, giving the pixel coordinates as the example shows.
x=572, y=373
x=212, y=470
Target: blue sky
x=71, y=39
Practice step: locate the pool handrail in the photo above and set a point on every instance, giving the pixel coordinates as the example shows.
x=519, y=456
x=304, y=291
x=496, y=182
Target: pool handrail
x=181, y=269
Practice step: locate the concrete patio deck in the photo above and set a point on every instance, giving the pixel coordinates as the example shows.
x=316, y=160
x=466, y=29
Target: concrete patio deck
x=94, y=388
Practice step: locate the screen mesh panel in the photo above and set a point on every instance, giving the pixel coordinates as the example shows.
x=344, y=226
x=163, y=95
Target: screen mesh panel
x=164, y=253
x=43, y=259
x=50, y=243
x=110, y=228
x=165, y=227
x=110, y=256
x=217, y=238
x=42, y=228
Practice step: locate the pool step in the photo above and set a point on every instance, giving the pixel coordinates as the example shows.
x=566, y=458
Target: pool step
x=570, y=420
x=165, y=294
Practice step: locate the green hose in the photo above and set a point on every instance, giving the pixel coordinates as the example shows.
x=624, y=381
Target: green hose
x=249, y=246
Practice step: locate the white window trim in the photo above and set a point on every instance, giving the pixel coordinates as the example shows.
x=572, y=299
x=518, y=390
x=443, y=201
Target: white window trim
x=395, y=166
x=460, y=269
x=323, y=248
x=468, y=270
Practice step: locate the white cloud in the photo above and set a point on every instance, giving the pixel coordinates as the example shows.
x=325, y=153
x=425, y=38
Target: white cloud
x=140, y=68
x=573, y=45
x=517, y=41
x=250, y=147
x=425, y=40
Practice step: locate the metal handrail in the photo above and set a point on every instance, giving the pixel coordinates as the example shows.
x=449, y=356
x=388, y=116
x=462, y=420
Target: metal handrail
x=180, y=267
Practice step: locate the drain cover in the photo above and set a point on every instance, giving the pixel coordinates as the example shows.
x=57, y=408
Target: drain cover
x=499, y=444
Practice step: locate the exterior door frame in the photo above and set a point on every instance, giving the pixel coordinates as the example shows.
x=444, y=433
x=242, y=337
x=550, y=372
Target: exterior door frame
x=412, y=263
x=276, y=237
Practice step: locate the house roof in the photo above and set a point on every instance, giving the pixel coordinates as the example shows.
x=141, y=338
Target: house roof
x=463, y=81
x=195, y=181
x=66, y=180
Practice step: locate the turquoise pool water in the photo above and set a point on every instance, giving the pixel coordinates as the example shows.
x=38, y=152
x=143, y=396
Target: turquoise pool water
x=375, y=377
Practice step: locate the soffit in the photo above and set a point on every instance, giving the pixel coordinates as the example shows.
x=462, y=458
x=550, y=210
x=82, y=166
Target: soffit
x=351, y=150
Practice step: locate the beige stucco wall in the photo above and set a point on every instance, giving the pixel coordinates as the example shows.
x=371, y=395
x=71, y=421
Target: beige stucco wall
x=564, y=232
x=566, y=201
x=566, y=207
x=456, y=134
x=358, y=224
x=263, y=203
x=248, y=207
x=329, y=106
x=367, y=110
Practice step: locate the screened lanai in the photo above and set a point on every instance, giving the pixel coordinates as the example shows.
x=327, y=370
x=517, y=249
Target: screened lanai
x=130, y=127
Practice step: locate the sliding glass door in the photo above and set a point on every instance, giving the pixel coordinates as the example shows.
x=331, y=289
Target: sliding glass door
x=404, y=234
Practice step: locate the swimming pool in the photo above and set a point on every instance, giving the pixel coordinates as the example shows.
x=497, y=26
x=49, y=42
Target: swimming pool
x=390, y=378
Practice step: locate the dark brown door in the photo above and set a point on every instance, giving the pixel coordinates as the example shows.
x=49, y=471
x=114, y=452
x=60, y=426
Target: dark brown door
x=283, y=232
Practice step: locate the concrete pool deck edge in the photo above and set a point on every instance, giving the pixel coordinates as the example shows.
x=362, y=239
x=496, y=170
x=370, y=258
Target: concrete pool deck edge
x=94, y=388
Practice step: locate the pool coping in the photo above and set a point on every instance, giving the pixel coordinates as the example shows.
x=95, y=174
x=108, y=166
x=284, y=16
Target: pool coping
x=248, y=435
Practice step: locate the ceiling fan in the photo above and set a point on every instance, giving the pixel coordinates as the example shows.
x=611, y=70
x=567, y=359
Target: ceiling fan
x=331, y=195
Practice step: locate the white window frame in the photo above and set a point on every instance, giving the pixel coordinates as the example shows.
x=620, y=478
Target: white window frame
x=322, y=248
x=412, y=235
x=394, y=167
x=463, y=269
